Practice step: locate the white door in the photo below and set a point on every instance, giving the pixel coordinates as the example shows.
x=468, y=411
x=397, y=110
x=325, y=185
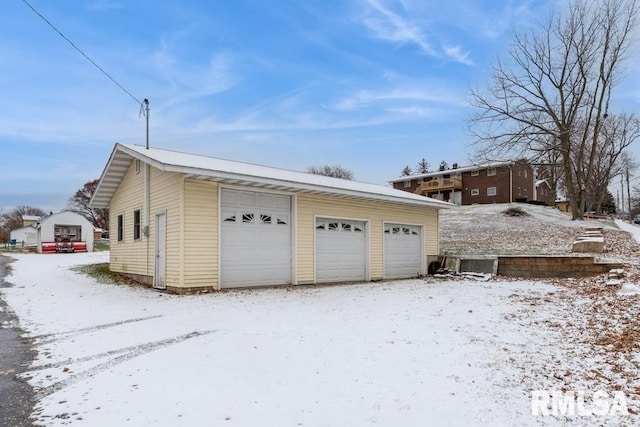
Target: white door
x=402, y=251
x=255, y=240
x=160, y=264
x=457, y=198
x=341, y=251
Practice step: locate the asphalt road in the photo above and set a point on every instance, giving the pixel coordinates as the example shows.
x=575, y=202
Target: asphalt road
x=16, y=396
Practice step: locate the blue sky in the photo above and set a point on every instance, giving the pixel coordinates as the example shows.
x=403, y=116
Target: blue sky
x=372, y=85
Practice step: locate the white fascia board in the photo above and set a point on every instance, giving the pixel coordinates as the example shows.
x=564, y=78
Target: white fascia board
x=227, y=175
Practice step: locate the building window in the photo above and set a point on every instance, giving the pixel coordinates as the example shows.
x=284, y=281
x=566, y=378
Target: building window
x=475, y=173
x=265, y=218
x=475, y=192
x=407, y=184
x=137, y=166
x=120, y=228
x=491, y=171
x=525, y=173
x=491, y=191
x=136, y=224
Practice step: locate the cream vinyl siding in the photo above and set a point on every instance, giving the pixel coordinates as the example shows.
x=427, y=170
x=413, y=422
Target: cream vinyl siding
x=166, y=195
x=311, y=206
x=128, y=255
x=200, y=260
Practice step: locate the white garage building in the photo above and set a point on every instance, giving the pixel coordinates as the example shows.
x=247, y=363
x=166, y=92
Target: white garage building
x=187, y=223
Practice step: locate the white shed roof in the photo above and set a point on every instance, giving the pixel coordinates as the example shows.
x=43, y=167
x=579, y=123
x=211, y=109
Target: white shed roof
x=69, y=218
x=232, y=172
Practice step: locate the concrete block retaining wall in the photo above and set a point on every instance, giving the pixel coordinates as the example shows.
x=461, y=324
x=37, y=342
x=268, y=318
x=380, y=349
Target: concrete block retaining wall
x=552, y=266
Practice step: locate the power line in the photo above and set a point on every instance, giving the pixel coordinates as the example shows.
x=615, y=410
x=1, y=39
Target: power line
x=81, y=52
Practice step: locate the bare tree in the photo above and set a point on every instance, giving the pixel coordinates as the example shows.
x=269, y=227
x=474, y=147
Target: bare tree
x=635, y=202
x=334, y=171
x=13, y=219
x=556, y=92
x=548, y=167
x=611, y=159
x=80, y=203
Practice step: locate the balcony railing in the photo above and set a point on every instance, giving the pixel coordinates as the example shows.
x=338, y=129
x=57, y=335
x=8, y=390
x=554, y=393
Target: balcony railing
x=435, y=185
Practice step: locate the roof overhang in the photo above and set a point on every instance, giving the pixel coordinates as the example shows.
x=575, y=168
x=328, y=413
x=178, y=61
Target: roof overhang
x=122, y=156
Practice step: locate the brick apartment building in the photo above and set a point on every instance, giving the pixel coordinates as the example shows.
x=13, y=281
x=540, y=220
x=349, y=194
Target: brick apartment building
x=499, y=182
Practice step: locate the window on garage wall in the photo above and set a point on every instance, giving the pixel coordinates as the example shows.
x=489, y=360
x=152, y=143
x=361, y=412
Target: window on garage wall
x=120, y=228
x=136, y=224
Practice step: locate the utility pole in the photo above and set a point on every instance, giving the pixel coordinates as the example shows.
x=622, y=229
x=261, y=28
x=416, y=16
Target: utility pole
x=621, y=194
x=629, y=196
x=146, y=115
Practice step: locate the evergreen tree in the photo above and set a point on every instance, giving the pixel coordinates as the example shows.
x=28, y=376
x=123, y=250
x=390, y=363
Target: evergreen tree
x=608, y=204
x=406, y=171
x=423, y=166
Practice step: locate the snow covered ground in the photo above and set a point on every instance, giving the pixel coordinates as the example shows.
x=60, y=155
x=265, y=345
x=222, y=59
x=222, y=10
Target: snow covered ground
x=404, y=353
x=632, y=229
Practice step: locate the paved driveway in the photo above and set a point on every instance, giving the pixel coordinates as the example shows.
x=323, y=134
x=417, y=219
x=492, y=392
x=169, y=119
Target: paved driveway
x=15, y=354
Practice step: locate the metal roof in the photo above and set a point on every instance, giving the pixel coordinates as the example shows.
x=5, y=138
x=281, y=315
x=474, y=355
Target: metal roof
x=239, y=173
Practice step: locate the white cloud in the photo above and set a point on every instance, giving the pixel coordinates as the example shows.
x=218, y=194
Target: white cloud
x=391, y=26
x=365, y=98
x=404, y=25
x=412, y=111
x=191, y=79
x=456, y=53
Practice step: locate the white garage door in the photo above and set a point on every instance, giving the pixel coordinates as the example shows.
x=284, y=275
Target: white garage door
x=402, y=251
x=255, y=240
x=341, y=253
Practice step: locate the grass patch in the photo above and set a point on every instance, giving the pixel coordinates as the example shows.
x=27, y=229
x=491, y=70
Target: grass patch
x=102, y=273
x=100, y=245
x=515, y=211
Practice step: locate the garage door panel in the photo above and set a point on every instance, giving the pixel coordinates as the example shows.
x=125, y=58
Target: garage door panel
x=255, y=239
x=402, y=251
x=340, y=251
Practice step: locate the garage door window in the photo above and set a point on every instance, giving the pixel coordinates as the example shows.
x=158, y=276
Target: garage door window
x=347, y=227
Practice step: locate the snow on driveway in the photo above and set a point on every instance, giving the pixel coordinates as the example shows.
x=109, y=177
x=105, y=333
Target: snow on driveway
x=405, y=353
